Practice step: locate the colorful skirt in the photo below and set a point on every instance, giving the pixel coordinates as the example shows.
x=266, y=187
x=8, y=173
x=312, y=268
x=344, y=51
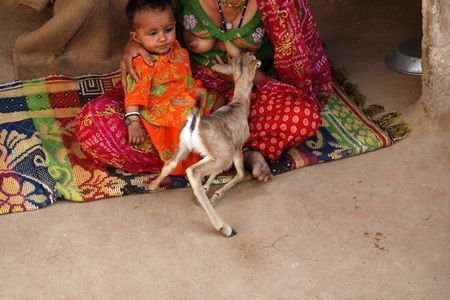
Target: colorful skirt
x=279, y=118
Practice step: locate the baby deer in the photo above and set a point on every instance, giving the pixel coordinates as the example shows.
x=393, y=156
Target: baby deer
x=219, y=138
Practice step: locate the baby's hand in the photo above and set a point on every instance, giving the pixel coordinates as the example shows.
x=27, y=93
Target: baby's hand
x=136, y=133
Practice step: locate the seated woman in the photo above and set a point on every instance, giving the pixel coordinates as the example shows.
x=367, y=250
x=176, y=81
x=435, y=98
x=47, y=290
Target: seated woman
x=285, y=107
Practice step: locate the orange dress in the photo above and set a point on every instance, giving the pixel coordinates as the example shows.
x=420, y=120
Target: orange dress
x=166, y=94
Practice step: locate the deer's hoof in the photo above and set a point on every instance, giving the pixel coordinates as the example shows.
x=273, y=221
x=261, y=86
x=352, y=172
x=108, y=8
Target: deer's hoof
x=228, y=231
x=153, y=186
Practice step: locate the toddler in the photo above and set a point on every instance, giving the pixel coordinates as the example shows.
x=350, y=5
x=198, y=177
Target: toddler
x=160, y=102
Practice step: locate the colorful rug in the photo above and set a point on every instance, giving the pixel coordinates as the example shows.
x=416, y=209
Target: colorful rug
x=42, y=162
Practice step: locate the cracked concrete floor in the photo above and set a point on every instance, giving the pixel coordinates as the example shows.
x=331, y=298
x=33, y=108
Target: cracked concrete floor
x=374, y=226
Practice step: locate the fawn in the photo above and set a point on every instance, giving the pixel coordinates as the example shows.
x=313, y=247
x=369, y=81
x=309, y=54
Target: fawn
x=219, y=139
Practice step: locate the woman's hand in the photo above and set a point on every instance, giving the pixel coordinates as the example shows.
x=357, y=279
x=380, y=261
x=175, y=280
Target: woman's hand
x=219, y=61
x=259, y=75
x=231, y=49
x=132, y=50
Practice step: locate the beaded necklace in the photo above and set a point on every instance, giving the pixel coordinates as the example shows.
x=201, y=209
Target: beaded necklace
x=228, y=25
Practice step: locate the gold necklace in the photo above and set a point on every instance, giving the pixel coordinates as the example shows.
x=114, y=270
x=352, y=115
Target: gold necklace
x=227, y=3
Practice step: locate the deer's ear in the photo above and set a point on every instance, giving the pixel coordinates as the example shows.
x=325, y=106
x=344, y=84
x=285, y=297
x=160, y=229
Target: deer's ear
x=224, y=69
x=257, y=63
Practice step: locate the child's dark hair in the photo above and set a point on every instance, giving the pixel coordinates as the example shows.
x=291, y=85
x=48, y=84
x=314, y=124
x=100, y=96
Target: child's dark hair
x=135, y=6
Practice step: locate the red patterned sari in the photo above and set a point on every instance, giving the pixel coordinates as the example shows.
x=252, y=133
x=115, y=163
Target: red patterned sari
x=284, y=112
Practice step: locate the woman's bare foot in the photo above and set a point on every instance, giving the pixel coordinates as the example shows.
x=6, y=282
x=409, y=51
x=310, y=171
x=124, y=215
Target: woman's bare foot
x=256, y=162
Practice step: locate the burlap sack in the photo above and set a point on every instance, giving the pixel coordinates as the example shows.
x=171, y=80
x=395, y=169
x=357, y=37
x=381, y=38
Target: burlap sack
x=81, y=37
x=39, y=5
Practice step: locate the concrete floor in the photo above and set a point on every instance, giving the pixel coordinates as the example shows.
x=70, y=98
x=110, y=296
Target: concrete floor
x=374, y=226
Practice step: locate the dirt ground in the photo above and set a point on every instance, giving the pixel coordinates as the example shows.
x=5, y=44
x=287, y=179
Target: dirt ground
x=374, y=226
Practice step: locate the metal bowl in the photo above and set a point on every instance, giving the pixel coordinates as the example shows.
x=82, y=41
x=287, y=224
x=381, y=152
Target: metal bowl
x=407, y=57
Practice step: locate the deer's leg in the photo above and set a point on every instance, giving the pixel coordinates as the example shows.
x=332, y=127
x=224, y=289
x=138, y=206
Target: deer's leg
x=171, y=164
x=238, y=162
x=195, y=174
x=207, y=184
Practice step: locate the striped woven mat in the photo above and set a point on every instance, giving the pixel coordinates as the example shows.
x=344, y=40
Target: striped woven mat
x=42, y=162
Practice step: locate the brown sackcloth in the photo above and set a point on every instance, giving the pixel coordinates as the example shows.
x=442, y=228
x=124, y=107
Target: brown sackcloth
x=80, y=37
x=39, y=5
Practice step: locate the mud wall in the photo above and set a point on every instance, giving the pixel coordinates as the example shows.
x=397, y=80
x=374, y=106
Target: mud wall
x=436, y=57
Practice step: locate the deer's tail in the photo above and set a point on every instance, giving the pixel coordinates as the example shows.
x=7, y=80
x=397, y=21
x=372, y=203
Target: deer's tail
x=196, y=111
